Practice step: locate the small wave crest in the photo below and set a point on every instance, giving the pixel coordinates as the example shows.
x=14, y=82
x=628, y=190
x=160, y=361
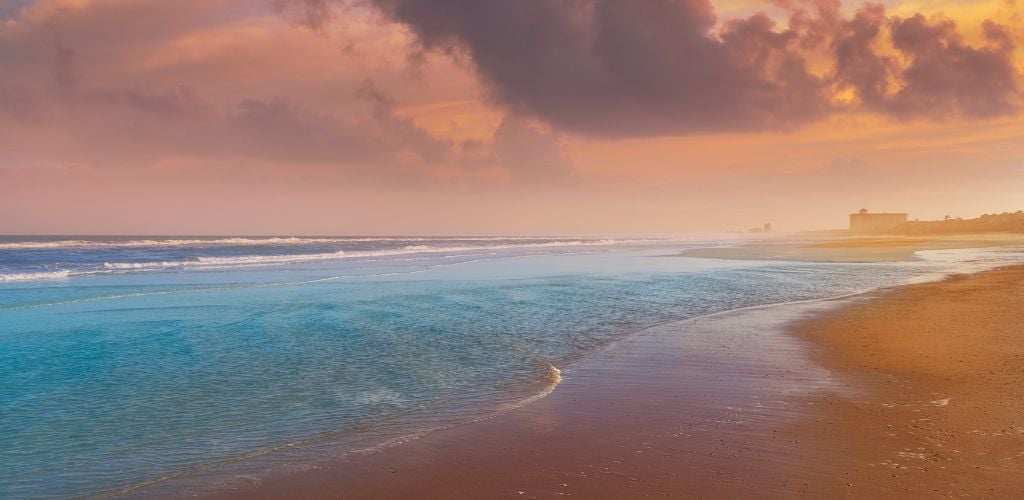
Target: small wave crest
x=267, y=260
x=430, y=247
x=244, y=260
x=53, y=275
x=553, y=375
x=42, y=245
x=254, y=241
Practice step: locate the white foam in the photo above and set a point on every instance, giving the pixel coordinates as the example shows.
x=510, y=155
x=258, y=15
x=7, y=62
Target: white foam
x=269, y=260
x=243, y=260
x=54, y=275
x=945, y=263
x=553, y=375
x=240, y=241
x=34, y=245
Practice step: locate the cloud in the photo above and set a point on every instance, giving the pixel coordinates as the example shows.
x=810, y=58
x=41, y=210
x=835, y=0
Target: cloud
x=399, y=133
x=668, y=67
x=74, y=91
x=942, y=75
x=123, y=126
x=126, y=82
x=72, y=96
x=623, y=68
x=857, y=63
x=529, y=153
x=314, y=14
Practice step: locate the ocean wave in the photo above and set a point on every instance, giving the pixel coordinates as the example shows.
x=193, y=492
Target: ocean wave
x=243, y=260
x=33, y=245
x=240, y=241
x=43, y=276
x=270, y=260
x=413, y=252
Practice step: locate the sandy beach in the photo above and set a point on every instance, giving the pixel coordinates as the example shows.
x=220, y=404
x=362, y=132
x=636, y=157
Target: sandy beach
x=915, y=390
x=939, y=369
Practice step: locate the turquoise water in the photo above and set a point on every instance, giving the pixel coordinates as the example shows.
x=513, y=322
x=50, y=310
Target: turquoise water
x=128, y=362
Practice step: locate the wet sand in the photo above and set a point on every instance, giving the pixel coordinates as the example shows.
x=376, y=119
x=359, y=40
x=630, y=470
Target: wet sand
x=914, y=391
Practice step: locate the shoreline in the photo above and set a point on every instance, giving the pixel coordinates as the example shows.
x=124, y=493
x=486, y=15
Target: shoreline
x=730, y=388
x=246, y=484
x=537, y=446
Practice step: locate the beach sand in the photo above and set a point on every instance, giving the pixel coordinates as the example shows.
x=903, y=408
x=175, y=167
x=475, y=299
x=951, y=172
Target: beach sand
x=913, y=391
x=940, y=369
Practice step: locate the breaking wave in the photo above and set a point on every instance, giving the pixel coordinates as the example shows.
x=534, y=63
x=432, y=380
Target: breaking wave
x=239, y=241
x=553, y=375
x=243, y=260
x=269, y=260
x=77, y=258
x=53, y=275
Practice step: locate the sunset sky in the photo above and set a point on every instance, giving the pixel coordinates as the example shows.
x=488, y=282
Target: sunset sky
x=503, y=116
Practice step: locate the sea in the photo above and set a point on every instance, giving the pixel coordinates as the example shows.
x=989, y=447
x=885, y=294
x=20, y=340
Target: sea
x=133, y=364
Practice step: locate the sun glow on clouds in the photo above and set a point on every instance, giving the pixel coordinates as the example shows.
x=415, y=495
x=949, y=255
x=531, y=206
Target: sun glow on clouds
x=577, y=121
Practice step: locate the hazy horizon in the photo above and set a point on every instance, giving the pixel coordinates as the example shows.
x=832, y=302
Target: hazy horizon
x=839, y=226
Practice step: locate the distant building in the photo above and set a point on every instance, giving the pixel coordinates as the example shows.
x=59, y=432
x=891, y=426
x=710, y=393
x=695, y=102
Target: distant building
x=767, y=227
x=864, y=221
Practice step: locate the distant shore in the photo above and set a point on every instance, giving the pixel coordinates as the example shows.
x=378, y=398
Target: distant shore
x=916, y=390
x=818, y=248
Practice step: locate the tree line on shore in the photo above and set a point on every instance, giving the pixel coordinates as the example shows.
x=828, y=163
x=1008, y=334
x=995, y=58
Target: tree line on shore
x=1006, y=222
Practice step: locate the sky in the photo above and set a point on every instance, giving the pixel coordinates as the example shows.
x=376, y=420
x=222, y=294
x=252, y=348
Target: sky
x=589, y=117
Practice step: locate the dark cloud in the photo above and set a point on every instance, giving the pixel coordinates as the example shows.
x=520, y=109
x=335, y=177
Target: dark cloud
x=625, y=68
x=857, y=63
x=947, y=76
x=314, y=14
x=942, y=75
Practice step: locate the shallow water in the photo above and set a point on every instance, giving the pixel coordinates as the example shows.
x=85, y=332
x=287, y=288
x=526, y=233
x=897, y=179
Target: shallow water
x=128, y=361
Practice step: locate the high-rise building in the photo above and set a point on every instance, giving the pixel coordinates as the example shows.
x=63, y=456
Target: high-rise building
x=864, y=221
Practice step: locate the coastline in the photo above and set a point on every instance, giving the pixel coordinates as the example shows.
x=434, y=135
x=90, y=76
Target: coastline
x=656, y=413
x=792, y=404
x=852, y=249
